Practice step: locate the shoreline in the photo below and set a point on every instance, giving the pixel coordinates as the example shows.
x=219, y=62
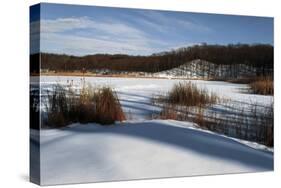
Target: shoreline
x=77, y=74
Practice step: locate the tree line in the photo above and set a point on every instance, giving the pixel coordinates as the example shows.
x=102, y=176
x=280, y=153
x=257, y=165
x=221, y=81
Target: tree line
x=257, y=56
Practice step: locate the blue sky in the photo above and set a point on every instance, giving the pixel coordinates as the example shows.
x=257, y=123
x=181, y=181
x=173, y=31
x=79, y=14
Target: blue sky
x=81, y=30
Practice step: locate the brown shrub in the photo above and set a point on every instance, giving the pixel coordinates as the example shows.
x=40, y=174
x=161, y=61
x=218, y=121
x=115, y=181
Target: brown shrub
x=263, y=86
x=188, y=94
x=108, y=108
x=169, y=112
x=57, y=119
x=85, y=105
x=100, y=105
x=199, y=118
x=57, y=107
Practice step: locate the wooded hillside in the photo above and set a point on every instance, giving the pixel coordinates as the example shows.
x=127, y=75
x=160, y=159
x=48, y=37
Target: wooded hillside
x=258, y=56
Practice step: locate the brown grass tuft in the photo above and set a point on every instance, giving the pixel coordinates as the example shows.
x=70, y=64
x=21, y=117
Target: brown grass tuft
x=57, y=107
x=262, y=86
x=188, y=94
x=99, y=105
x=169, y=112
x=108, y=107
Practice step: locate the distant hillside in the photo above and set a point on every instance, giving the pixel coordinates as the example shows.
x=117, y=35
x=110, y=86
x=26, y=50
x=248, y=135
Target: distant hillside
x=202, y=69
x=257, y=58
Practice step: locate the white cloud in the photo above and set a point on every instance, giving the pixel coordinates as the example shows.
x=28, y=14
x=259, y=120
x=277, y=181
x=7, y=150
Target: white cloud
x=76, y=45
x=166, y=23
x=68, y=24
x=105, y=37
x=193, y=26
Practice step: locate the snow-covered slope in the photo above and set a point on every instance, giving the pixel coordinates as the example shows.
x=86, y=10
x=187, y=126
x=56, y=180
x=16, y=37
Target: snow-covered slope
x=200, y=69
x=137, y=150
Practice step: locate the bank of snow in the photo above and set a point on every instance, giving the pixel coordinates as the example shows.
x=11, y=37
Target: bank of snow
x=144, y=149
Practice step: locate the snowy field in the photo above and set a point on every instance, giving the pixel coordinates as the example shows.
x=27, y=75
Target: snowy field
x=144, y=148
x=135, y=93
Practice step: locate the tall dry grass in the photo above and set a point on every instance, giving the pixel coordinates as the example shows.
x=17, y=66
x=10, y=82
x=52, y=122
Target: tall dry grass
x=188, y=94
x=34, y=108
x=57, y=107
x=99, y=105
x=250, y=121
x=262, y=86
x=108, y=108
x=169, y=111
x=182, y=96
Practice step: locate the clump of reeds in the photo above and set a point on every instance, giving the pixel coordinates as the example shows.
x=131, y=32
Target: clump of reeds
x=186, y=102
x=183, y=96
x=169, y=112
x=108, y=108
x=99, y=105
x=188, y=94
x=262, y=86
x=57, y=107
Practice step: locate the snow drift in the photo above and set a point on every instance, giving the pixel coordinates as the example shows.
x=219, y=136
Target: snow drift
x=139, y=150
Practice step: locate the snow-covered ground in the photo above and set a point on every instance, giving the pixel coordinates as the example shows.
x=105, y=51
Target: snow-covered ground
x=148, y=149
x=135, y=93
x=143, y=148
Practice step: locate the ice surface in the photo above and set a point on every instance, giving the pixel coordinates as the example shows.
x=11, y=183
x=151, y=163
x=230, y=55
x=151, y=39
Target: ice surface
x=135, y=93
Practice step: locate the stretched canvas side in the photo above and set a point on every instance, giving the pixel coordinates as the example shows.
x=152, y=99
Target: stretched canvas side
x=34, y=65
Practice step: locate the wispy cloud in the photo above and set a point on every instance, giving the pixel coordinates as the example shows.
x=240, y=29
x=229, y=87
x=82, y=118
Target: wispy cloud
x=84, y=35
x=77, y=45
x=166, y=23
x=193, y=26
x=69, y=24
x=82, y=30
x=105, y=37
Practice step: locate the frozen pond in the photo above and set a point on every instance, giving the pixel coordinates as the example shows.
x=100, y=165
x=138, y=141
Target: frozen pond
x=142, y=148
x=135, y=93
